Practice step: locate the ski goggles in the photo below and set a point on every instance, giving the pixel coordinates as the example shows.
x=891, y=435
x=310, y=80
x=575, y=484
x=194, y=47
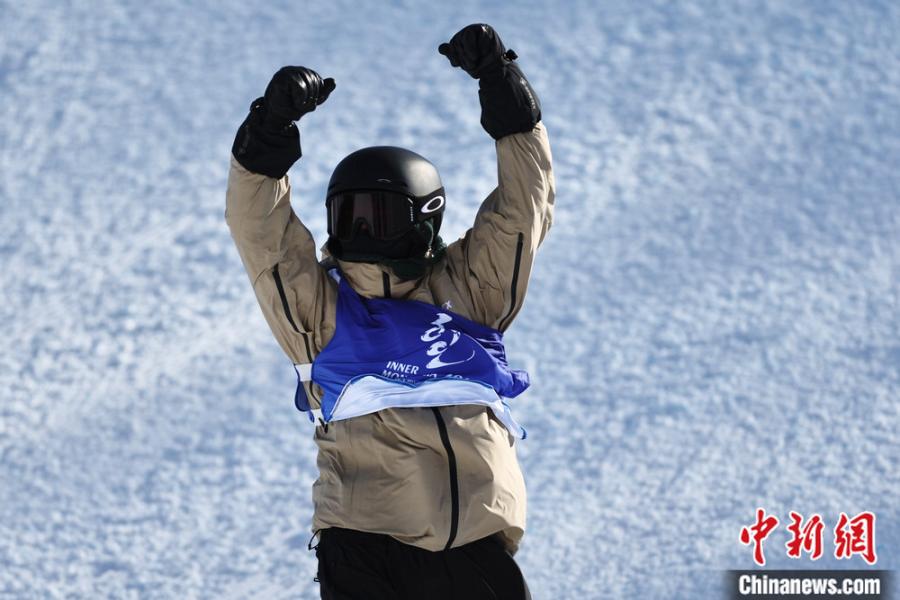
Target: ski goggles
x=386, y=215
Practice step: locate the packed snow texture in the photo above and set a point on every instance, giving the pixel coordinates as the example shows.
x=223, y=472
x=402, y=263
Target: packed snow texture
x=713, y=323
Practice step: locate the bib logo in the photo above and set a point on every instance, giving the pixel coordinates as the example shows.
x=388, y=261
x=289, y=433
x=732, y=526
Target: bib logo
x=441, y=340
x=440, y=346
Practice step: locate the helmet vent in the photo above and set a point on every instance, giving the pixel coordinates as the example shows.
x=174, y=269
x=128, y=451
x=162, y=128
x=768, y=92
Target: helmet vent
x=393, y=182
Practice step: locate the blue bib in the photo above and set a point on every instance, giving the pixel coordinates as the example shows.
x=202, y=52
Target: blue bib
x=405, y=353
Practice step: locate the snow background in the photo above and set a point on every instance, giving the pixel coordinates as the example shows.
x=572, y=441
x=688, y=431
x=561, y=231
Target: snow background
x=722, y=283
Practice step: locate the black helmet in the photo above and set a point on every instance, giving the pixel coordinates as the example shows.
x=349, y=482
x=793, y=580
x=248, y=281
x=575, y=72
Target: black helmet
x=383, y=203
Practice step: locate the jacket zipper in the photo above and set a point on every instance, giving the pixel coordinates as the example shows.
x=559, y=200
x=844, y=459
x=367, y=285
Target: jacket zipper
x=287, y=311
x=454, y=480
x=386, y=284
x=504, y=322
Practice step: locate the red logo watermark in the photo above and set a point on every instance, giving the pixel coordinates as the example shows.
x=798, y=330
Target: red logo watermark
x=805, y=538
x=856, y=536
x=852, y=536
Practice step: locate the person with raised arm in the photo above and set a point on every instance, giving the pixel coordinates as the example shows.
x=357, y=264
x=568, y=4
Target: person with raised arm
x=397, y=337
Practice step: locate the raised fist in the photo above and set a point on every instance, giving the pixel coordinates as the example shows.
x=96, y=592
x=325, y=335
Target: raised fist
x=295, y=91
x=478, y=50
x=508, y=104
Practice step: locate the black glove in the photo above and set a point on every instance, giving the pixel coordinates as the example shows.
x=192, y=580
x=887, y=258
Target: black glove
x=508, y=103
x=293, y=92
x=268, y=142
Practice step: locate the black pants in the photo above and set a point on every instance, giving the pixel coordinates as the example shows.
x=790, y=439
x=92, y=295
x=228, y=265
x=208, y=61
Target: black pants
x=355, y=565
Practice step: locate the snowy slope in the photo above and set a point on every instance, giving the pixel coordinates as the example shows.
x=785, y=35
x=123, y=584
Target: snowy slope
x=722, y=283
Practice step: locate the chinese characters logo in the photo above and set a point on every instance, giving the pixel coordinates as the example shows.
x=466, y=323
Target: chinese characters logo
x=852, y=536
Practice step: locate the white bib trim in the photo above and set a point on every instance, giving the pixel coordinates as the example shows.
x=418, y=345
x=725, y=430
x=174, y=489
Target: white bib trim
x=370, y=393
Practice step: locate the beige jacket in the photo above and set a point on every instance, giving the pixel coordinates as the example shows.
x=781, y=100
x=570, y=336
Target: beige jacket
x=433, y=478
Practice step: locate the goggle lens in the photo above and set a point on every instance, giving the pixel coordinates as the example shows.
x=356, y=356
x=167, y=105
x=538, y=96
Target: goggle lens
x=385, y=215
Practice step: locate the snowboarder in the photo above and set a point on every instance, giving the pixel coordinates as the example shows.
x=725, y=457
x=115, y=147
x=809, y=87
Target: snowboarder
x=396, y=336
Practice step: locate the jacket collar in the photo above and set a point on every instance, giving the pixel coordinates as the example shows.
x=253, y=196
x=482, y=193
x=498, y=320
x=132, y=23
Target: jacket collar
x=372, y=280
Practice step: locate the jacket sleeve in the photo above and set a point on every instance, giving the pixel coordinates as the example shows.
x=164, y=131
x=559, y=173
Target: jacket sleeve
x=495, y=257
x=280, y=257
